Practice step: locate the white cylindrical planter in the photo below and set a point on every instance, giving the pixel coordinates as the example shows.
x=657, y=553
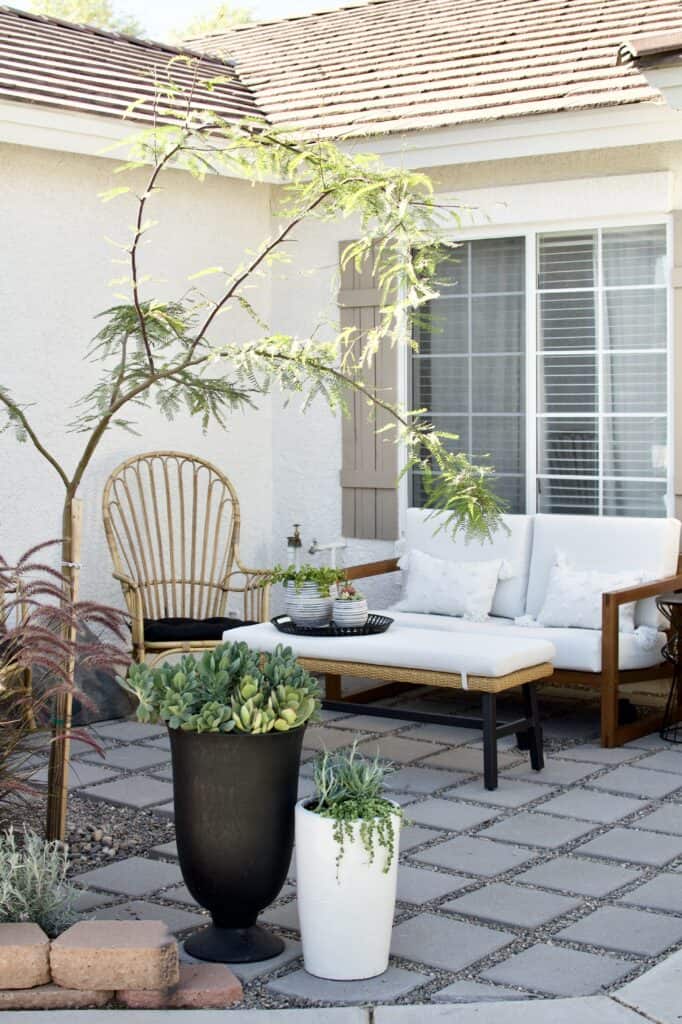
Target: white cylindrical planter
x=305, y=607
x=350, y=613
x=345, y=913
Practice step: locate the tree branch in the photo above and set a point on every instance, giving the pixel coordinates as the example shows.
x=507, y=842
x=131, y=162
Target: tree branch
x=17, y=413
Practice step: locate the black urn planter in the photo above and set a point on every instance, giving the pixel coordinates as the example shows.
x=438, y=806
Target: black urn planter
x=235, y=795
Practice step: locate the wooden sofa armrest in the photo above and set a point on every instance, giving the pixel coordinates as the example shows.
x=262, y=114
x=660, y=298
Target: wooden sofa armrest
x=361, y=572
x=611, y=603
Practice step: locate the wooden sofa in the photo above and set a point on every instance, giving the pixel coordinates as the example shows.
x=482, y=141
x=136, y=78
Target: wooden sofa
x=604, y=659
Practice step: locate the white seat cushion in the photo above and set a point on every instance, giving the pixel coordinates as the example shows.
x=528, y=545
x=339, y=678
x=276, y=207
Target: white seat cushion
x=402, y=647
x=645, y=547
x=578, y=650
x=512, y=544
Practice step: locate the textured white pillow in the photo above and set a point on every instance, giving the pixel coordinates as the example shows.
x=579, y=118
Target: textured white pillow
x=440, y=587
x=574, y=597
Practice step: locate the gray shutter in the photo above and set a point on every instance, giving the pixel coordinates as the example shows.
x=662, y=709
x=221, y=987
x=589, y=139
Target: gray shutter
x=370, y=462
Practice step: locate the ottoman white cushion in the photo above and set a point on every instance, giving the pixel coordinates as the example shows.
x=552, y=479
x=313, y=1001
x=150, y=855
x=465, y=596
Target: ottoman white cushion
x=405, y=647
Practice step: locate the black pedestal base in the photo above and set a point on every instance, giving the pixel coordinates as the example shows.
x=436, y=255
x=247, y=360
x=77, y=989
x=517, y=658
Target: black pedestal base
x=234, y=945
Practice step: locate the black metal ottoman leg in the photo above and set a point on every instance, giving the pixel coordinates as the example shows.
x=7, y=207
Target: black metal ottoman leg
x=535, y=745
x=489, y=707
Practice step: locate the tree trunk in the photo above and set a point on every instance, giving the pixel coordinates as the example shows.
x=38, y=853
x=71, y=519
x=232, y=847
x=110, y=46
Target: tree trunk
x=58, y=771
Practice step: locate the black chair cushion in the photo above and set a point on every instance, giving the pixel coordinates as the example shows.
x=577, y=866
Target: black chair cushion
x=163, y=631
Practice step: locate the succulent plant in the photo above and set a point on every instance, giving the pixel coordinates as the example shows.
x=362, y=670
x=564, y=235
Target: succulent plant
x=230, y=688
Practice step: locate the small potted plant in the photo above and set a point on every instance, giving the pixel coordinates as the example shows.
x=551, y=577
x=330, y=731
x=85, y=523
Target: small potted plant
x=347, y=839
x=350, y=607
x=308, y=599
x=236, y=719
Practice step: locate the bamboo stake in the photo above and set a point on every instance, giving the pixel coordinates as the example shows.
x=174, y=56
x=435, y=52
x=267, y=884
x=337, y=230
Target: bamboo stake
x=58, y=771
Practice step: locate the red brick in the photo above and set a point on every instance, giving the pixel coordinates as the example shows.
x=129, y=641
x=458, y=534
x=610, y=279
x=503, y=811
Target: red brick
x=24, y=956
x=110, y=954
x=201, y=987
x=52, y=997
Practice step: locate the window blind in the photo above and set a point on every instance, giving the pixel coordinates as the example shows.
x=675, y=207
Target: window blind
x=602, y=372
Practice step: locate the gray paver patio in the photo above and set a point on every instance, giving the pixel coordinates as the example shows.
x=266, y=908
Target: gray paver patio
x=601, y=808
x=509, y=793
x=422, y=780
x=454, y=816
x=512, y=867
x=558, y=972
x=398, y=748
x=449, y=944
x=664, y=761
x=532, y=829
x=596, y=1010
x=657, y=993
x=632, y=780
x=419, y=885
x=634, y=846
x=512, y=905
x=625, y=931
x=577, y=875
x=395, y=982
x=139, y=910
x=127, y=731
x=476, y=992
x=465, y=759
x=476, y=856
x=667, y=818
x=134, y=876
x=131, y=758
x=81, y=773
x=664, y=892
x=144, y=793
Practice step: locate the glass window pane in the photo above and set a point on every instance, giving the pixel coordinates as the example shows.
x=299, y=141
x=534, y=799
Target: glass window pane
x=567, y=260
x=634, y=382
x=497, y=265
x=502, y=435
x=443, y=326
x=567, y=383
x=568, y=496
x=635, y=447
x=458, y=425
x=498, y=323
x=568, y=447
x=512, y=490
x=441, y=385
x=567, y=321
x=497, y=384
x=635, y=319
x=453, y=272
x=634, y=256
x=634, y=498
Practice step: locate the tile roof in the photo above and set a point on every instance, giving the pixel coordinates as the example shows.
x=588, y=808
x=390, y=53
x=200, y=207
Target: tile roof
x=60, y=65
x=398, y=65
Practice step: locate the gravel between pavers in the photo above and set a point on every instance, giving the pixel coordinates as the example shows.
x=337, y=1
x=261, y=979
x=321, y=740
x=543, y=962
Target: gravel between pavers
x=141, y=830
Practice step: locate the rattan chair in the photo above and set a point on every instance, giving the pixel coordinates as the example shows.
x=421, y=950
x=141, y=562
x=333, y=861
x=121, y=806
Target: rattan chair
x=172, y=525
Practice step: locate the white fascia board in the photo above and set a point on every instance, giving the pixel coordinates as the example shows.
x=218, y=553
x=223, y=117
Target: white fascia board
x=532, y=135
x=667, y=78
x=67, y=131
x=570, y=202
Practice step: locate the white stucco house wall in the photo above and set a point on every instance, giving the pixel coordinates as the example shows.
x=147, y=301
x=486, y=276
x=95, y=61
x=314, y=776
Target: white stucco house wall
x=561, y=335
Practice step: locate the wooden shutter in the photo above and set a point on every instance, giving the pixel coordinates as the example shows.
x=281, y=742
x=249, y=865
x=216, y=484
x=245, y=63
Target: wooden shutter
x=370, y=461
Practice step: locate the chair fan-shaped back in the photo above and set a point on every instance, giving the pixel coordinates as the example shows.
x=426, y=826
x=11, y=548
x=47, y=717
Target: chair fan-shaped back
x=172, y=525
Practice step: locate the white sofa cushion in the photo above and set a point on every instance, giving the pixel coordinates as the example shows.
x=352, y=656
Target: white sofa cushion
x=435, y=650
x=448, y=588
x=574, y=597
x=512, y=544
x=645, y=547
x=578, y=650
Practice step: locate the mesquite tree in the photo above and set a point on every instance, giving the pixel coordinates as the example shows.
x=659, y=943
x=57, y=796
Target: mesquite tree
x=178, y=354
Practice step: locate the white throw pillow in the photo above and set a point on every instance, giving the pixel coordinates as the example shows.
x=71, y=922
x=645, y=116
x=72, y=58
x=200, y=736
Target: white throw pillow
x=574, y=597
x=439, y=587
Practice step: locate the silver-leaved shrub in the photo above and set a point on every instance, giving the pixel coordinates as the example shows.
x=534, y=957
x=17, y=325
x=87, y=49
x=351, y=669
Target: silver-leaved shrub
x=33, y=883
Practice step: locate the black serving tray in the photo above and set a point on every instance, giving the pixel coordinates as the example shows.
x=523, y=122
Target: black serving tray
x=375, y=624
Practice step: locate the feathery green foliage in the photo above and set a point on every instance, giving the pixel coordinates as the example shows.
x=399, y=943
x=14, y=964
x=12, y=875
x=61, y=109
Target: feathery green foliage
x=349, y=790
x=324, y=575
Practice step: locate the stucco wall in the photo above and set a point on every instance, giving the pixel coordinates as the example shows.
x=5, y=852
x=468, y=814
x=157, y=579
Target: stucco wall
x=54, y=280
